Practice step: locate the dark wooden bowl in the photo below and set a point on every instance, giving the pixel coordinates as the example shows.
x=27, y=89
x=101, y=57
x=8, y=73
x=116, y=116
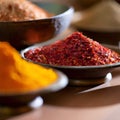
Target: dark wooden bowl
x=24, y=33
x=105, y=37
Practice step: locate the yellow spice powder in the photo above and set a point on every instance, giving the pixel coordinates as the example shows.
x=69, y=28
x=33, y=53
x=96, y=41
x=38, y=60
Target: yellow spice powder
x=18, y=75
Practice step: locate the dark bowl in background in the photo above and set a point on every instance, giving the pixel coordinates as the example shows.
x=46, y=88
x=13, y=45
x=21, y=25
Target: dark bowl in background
x=105, y=37
x=25, y=33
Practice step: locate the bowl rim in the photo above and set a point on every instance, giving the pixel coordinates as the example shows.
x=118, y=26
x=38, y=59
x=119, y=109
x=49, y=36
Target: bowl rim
x=70, y=9
x=60, y=83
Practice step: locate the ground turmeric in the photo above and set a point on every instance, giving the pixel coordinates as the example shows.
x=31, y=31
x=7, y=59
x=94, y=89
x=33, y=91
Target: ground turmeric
x=18, y=75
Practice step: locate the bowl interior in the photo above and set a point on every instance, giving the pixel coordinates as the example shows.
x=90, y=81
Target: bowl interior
x=54, y=8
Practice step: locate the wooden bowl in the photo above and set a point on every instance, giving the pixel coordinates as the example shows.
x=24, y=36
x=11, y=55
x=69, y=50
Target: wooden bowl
x=25, y=33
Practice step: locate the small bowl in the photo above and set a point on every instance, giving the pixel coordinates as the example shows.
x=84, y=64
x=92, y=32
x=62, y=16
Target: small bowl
x=20, y=99
x=25, y=33
x=86, y=74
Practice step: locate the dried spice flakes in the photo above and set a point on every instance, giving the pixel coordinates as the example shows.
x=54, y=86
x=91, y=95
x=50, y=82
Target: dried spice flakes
x=75, y=50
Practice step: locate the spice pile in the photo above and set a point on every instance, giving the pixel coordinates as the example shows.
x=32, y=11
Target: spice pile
x=18, y=75
x=21, y=10
x=75, y=50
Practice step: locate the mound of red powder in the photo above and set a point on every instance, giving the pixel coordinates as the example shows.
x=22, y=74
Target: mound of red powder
x=75, y=50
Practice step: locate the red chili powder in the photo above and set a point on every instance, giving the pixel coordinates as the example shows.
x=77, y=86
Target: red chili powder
x=75, y=50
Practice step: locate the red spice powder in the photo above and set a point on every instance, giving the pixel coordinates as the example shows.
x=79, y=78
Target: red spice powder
x=75, y=50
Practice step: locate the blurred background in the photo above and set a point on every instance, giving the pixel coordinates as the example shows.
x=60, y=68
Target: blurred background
x=105, y=16
x=78, y=4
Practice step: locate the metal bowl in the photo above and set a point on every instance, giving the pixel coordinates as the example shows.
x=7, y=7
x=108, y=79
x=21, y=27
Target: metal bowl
x=20, y=99
x=25, y=33
x=87, y=74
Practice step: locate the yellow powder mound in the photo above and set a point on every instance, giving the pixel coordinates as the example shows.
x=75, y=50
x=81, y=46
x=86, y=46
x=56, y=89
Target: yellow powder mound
x=18, y=75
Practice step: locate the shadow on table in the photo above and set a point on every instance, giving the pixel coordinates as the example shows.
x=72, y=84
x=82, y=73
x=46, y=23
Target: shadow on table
x=76, y=97
x=116, y=72
x=91, y=96
x=12, y=111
